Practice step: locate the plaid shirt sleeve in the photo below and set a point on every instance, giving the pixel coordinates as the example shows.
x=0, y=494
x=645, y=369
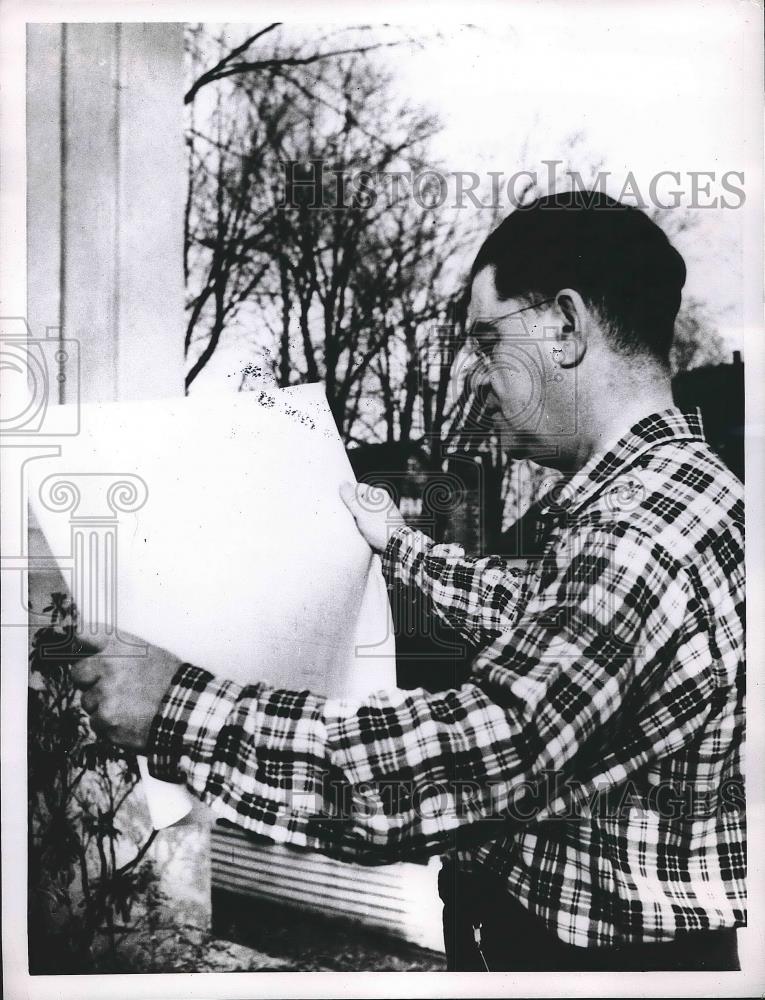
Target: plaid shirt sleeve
x=399, y=773
x=477, y=597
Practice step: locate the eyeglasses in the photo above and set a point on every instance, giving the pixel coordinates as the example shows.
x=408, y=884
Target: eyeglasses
x=483, y=347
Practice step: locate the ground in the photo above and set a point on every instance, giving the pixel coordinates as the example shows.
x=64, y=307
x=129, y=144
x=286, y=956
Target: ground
x=299, y=941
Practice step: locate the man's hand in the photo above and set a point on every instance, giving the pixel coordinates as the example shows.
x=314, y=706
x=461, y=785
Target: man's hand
x=376, y=516
x=122, y=694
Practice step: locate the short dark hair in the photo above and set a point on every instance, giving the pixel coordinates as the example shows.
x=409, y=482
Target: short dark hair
x=618, y=259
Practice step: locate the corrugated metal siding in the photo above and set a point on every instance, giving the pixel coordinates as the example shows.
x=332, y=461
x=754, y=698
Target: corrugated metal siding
x=401, y=899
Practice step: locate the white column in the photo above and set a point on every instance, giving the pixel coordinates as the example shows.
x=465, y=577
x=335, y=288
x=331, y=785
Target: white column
x=105, y=174
x=150, y=299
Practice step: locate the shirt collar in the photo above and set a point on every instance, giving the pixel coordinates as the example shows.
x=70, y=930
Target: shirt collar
x=572, y=491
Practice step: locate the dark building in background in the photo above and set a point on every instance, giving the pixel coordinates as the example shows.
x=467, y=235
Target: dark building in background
x=718, y=390
x=448, y=504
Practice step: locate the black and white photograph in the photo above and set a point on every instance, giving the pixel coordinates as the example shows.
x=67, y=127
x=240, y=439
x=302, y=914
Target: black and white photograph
x=381, y=446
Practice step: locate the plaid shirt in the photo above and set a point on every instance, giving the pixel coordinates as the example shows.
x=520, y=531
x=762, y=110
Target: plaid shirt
x=592, y=762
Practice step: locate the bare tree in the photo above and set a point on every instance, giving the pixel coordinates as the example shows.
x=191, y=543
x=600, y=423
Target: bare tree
x=229, y=221
x=696, y=341
x=345, y=273
x=241, y=60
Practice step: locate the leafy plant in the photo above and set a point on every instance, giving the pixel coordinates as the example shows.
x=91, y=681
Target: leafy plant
x=80, y=884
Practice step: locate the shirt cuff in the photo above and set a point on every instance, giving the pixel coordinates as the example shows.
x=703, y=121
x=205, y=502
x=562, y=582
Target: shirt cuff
x=403, y=553
x=191, y=714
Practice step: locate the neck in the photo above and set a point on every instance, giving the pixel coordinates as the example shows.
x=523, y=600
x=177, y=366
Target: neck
x=615, y=406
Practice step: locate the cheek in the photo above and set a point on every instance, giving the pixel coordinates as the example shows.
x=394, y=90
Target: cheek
x=519, y=387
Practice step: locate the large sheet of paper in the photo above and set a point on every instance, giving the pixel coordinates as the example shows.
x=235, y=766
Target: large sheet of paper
x=213, y=527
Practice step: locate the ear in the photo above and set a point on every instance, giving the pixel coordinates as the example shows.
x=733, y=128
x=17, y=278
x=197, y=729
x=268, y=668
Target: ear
x=576, y=328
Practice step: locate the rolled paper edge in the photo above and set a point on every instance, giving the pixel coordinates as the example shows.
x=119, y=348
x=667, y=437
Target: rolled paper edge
x=167, y=803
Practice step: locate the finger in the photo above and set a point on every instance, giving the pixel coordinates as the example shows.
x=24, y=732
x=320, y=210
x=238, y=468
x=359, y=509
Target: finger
x=373, y=498
x=87, y=672
x=80, y=647
x=99, y=724
x=91, y=699
x=63, y=648
x=350, y=499
x=93, y=638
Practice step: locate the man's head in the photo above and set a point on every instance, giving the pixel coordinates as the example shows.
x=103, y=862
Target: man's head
x=594, y=286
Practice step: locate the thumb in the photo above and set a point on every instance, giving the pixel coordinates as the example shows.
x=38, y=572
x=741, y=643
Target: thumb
x=348, y=494
x=69, y=647
x=91, y=641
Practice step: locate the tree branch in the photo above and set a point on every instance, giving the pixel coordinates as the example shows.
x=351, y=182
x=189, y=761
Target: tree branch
x=223, y=70
x=210, y=74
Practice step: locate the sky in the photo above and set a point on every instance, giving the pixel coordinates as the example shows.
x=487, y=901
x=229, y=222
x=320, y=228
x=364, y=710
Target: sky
x=647, y=87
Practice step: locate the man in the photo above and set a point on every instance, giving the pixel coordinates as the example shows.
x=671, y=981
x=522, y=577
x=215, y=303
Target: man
x=587, y=779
